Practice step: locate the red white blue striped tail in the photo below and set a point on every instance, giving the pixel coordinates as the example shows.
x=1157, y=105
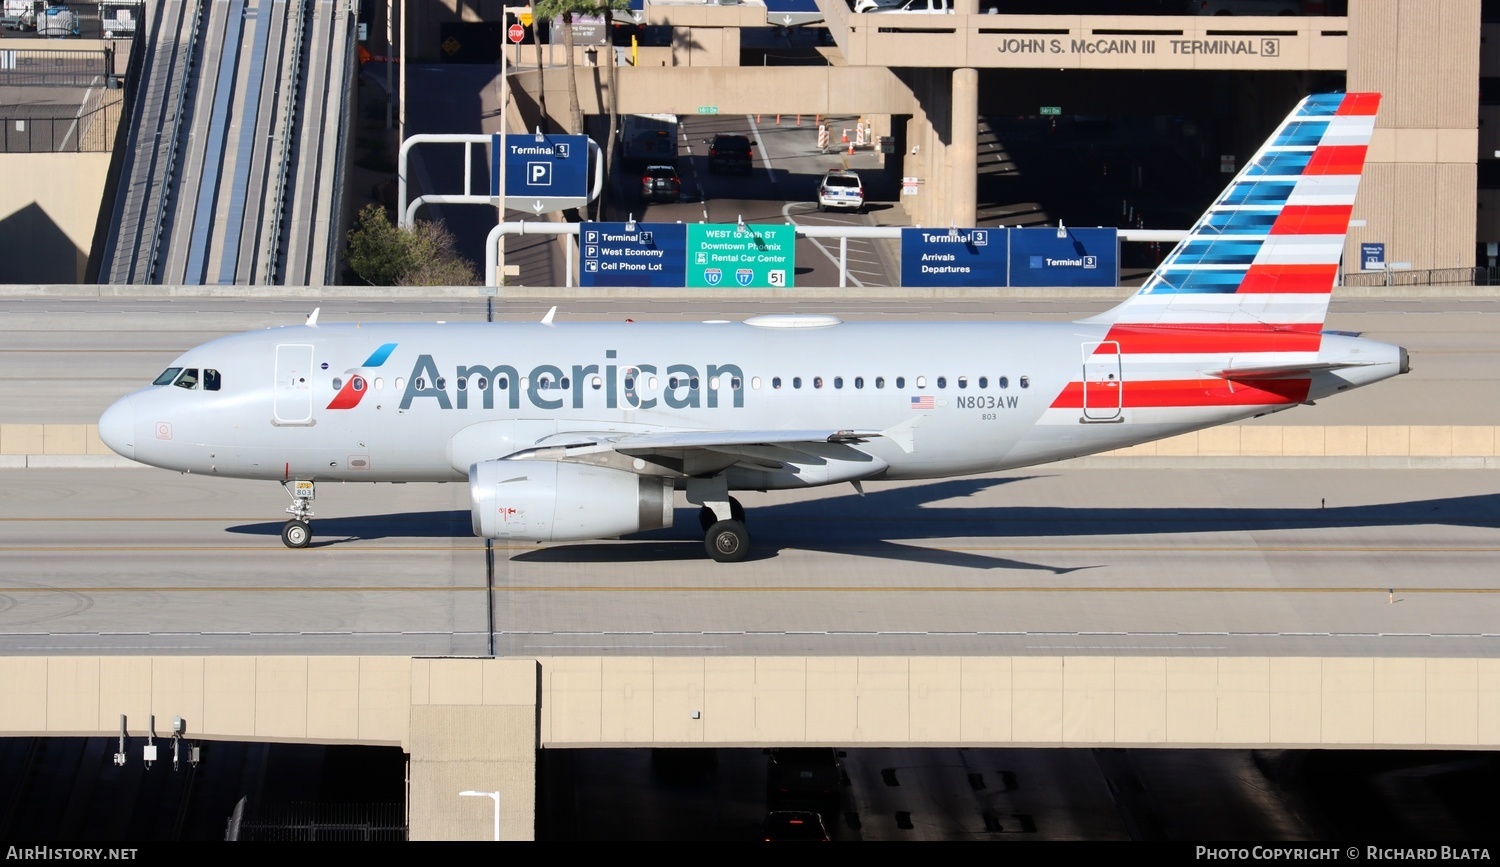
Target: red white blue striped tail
x=1261, y=263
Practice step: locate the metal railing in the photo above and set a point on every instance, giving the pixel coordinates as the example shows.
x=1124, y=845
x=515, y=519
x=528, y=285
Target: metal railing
x=307, y=822
x=86, y=131
x=1477, y=276
x=24, y=67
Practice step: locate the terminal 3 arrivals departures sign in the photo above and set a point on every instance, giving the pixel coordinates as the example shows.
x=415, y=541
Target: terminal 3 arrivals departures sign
x=953, y=257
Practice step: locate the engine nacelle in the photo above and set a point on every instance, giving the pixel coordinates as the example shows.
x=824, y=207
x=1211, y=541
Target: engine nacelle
x=551, y=501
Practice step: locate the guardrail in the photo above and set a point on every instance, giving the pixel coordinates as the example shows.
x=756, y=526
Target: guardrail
x=22, y=133
x=1476, y=276
x=55, y=68
x=842, y=233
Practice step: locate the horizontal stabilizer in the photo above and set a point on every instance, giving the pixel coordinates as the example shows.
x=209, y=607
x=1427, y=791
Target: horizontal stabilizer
x=1285, y=371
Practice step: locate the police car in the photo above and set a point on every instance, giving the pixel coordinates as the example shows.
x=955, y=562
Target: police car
x=841, y=189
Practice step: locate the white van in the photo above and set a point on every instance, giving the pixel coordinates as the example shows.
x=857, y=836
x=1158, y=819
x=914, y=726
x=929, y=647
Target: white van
x=911, y=7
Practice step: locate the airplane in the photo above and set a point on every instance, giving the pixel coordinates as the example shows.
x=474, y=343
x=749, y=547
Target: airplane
x=571, y=431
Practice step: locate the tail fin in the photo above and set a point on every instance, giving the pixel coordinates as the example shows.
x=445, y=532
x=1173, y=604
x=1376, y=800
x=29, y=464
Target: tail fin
x=1265, y=255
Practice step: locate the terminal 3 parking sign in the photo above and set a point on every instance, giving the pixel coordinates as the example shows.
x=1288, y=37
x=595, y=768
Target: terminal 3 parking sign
x=542, y=172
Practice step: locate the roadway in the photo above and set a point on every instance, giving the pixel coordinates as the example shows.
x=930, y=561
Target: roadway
x=66, y=359
x=1048, y=561
x=1061, y=559
x=780, y=188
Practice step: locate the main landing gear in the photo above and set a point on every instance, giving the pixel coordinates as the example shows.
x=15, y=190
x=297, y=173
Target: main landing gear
x=726, y=541
x=722, y=518
x=297, y=532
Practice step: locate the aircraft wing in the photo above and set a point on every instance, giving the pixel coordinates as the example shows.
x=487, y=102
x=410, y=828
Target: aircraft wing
x=711, y=439
x=697, y=451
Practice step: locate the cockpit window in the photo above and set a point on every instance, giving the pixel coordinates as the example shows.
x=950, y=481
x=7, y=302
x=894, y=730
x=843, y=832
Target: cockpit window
x=210, y=379
x=188, y=379
x=167, y=376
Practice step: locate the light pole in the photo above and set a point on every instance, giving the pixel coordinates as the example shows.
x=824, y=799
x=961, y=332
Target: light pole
x=494, y=796
x=500, y=210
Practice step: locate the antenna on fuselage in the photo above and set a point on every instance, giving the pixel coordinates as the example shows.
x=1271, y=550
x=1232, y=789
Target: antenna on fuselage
x=547, y=320
x=312, y=318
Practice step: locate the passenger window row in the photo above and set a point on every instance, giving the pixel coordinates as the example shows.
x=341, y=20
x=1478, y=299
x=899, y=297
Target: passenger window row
x=858, y=382
x=674, y=382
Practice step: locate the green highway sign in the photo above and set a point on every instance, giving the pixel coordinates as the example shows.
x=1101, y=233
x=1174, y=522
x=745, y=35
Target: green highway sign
x=1052, y=110
x=740, y=257
x=708, y=109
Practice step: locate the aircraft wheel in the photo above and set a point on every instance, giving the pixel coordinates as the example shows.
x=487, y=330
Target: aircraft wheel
x=727, y=541
x=296, y=534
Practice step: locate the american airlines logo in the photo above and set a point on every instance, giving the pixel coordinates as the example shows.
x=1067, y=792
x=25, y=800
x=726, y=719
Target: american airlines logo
x=353, y=390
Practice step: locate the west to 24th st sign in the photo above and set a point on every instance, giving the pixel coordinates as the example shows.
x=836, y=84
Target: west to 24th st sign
x=740, y=256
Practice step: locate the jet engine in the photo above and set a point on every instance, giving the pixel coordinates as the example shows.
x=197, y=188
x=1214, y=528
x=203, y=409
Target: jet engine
x=552, y=501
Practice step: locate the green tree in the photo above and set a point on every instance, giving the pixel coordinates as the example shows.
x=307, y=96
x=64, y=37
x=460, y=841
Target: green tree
x=385, y=255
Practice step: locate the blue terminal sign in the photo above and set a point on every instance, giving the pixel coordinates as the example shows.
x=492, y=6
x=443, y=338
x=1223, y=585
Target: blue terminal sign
x=542, y=172
x=633, y=254
x=953, y=257
x=1080, y=257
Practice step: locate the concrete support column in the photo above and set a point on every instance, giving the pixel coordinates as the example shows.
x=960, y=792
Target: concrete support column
x=963, y=148
x=915, y=163
x=474, y=728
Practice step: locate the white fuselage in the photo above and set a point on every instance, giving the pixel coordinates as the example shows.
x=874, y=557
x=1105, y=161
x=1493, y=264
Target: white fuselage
x=955, y=398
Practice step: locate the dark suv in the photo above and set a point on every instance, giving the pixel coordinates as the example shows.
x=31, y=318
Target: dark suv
x=729, y=153
x=808, y=776
x=660, y=184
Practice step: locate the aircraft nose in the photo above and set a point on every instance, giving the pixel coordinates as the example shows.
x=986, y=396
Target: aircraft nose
x=117, y=428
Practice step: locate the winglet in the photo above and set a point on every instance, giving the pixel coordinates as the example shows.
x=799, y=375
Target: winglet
x=547, y=320
x=312, y=318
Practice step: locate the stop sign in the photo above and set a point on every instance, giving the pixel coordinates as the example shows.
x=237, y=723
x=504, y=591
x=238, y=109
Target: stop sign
x=517, y=33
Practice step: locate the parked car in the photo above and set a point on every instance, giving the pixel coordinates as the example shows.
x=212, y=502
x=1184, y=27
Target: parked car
x=794, y=826
x=729, y=153
x=660, y=184
x=841, y=189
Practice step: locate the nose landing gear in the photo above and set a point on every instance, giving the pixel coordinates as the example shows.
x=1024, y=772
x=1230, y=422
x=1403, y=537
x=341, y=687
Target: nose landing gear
x=297, y=532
